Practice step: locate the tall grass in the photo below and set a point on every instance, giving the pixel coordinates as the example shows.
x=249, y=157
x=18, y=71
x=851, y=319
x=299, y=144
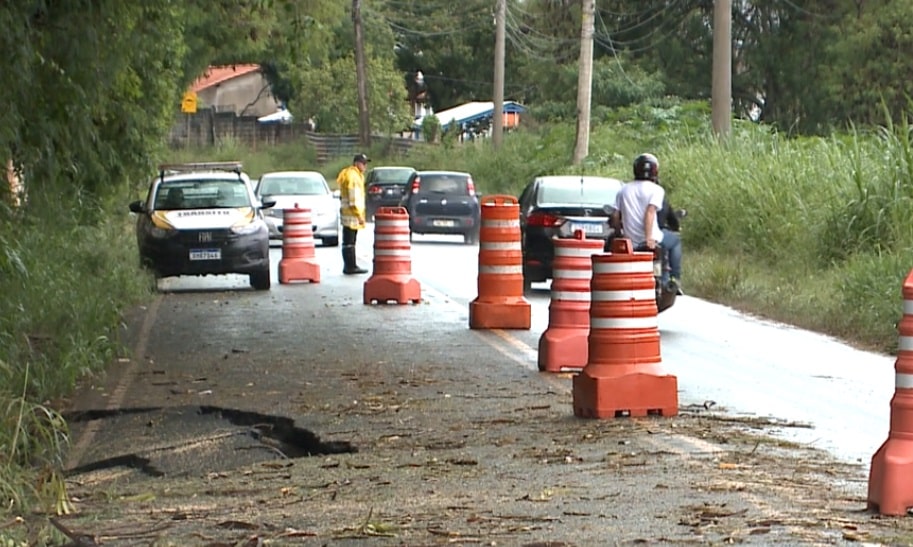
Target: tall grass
x=65, y=283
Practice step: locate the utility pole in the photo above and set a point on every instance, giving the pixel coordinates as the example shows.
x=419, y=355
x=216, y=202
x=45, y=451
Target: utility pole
x=364, y=121
x=721, y=93
x=585, y=82
x=497, y=117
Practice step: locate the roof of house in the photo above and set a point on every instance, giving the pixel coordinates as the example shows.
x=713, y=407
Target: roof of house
x=472, y=111
x=215, y=75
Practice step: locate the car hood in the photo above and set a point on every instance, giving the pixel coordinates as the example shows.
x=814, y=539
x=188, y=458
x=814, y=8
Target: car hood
x=314, y=203
x=205, y=219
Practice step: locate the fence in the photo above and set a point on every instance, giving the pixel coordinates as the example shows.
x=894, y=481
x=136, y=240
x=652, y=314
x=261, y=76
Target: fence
x=207, y=128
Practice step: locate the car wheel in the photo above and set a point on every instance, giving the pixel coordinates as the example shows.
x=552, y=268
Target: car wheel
x=260, y=280
x=527, y=285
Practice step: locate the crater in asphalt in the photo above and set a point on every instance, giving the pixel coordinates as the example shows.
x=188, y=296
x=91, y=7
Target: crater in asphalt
x=160, y=441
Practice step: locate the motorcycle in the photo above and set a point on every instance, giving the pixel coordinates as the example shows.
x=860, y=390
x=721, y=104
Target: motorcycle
x=666, y=293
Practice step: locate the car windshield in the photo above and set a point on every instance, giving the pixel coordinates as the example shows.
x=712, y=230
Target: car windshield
x=578, y=192
x=390, y=176
x=293, y=186
x=444, y=184
x=201, y=194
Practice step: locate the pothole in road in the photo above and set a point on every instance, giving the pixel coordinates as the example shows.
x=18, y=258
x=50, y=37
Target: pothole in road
x=178, y=441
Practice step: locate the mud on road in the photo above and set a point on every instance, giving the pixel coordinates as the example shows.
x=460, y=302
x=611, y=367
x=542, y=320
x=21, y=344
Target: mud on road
x=246, y=418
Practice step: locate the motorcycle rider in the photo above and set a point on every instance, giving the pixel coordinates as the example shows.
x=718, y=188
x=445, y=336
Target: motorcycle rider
x=639, y=206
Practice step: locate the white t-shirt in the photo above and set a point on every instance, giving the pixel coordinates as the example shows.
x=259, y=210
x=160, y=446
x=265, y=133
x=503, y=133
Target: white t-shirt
x=632, y=200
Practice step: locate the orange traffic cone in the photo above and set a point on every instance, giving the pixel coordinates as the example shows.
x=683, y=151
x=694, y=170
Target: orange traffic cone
x=891, y=474
x=392, y=277
x=299, y=261
x=563, y=345
x=622, y=376
x=500, y=303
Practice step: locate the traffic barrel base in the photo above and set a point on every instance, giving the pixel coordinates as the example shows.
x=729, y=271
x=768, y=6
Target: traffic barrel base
x=384, y=290
x=623, y=376
x=563, y=345
x=632, y=395
x=500, y=303
x=391, y=280
x=500, y=315
x=299, y=262
x=562, y=349
x=891, y=473
x=891, y=478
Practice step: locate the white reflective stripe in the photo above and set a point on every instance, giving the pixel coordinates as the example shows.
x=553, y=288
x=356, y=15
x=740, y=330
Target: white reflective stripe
x=571, y=295
x=905, y=343
x=908, y=307
x=391, y=237
x=623, y=296
x=572, y=274
x=502, y=270
x=903, y=381
x=576, y=252
x=303, y=218
x=379, y=223
x=624, y=322
x=298, y=240
x=392, y=252
x=640, y=266
x=501, y=223
x=501, y=246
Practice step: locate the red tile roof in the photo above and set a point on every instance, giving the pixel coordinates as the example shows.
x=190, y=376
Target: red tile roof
x=218, y=74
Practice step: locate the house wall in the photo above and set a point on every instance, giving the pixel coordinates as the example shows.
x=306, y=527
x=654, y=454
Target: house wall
x=245, y=95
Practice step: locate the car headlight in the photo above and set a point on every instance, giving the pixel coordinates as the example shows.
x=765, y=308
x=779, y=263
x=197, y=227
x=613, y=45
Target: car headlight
x=160, y=233
x=245, y=229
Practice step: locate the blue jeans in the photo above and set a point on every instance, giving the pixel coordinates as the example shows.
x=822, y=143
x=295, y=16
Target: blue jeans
x=672, y=244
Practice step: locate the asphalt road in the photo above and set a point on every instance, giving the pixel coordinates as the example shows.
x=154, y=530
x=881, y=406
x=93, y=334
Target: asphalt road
x=302, y=415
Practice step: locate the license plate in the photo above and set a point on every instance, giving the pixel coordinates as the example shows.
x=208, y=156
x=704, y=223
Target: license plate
x=443, y=223
x=587, y=228
x=205, y=254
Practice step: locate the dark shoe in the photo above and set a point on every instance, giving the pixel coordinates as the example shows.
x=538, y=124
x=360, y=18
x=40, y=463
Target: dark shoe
x=350, y=267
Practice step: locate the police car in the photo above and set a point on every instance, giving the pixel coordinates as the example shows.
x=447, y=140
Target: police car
x=202, y=219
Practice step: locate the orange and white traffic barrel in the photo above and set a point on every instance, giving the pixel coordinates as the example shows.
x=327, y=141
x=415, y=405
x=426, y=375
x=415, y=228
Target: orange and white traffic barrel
x=500, y=303
x=299, y=262
x=563, y=345
x=623, y=375
x=891, y=473
x=392, y=278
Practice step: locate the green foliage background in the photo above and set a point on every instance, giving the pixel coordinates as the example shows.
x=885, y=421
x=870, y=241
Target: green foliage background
x=802, y=218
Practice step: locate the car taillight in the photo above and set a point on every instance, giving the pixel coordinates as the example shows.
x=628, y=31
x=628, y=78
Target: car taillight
x=544, y=220
x=416, y=184
x=374, y=189
x=470, y=186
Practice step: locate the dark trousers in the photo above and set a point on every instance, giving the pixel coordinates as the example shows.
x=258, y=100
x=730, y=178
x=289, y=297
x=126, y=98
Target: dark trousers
x=349, y=236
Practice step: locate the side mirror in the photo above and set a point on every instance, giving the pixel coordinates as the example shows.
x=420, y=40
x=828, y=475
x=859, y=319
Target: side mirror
x=137, y=207
x=266, y=204
x=336, y=194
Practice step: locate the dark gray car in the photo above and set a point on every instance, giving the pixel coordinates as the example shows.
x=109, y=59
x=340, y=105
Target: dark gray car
x=443, y=202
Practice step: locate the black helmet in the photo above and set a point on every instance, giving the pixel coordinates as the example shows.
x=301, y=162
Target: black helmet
x=646, y=167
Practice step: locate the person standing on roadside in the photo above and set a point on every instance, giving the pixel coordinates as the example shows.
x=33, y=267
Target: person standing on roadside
x=351, y=182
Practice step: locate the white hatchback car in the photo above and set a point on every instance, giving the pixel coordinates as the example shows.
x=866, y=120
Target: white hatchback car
x=307, y=190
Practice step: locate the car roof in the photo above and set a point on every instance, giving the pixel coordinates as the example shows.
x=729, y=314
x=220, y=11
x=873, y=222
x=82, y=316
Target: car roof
x=290, y=174
x=379, y=167
x=569, y=179
x=459, y=173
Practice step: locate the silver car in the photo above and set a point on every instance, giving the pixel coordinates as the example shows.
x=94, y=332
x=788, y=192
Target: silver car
x=307, y=190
